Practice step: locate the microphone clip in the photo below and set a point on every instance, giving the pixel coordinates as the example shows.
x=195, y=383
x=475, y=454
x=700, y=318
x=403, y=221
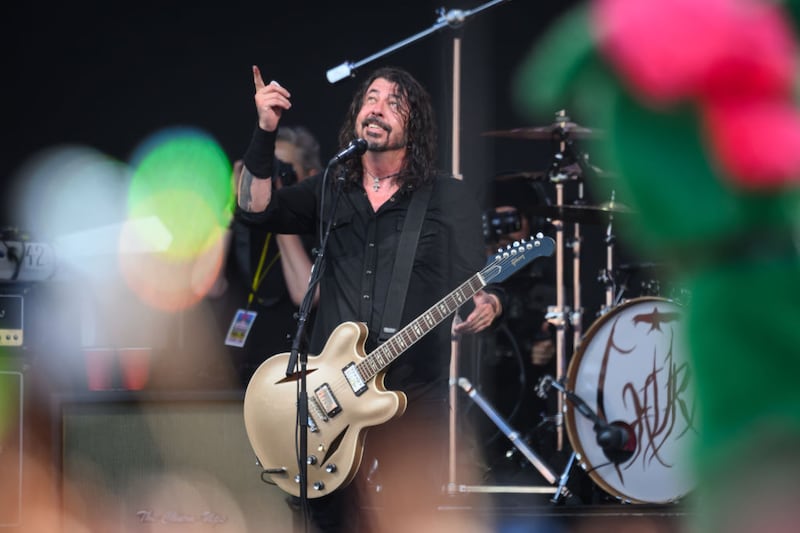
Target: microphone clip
x=357, y=147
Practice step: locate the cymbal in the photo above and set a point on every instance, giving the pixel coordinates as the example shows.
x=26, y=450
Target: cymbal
x=538, y=175
x=571, y=171
x=609, y=207
x=583, y=214
x=644, y=265
x=555, y=131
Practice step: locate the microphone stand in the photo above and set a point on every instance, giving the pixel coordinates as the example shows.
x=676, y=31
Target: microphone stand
x=614, y=439
x=299, y=351
x=453, y=18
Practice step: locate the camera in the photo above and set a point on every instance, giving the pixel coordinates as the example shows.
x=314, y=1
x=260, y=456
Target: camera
x=284, y=173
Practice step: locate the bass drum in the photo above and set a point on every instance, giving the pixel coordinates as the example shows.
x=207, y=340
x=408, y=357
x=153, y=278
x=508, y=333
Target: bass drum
x=632, y=370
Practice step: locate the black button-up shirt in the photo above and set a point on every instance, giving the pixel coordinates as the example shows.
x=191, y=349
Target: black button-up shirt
x=360, y=257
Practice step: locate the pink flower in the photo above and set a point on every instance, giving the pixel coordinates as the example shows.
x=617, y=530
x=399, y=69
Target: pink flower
x=734, y=59
x=756, y=141
x=674, y=49
x=662, y=48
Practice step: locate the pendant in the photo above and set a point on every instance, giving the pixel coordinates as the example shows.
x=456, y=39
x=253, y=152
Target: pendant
x=376, y=184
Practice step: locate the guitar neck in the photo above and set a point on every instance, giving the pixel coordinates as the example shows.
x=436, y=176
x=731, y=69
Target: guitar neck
x=502, y=265
x=401, y=341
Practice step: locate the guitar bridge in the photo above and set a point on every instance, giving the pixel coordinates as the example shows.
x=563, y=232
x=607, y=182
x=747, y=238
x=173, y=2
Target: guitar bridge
x=314, y=410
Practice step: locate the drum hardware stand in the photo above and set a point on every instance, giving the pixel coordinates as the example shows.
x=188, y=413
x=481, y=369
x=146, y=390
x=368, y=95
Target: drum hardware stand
x=608, y=276
x=507, y=430
x=577, y=312
x=559, y=315
x=561, y=489
x=453, y=487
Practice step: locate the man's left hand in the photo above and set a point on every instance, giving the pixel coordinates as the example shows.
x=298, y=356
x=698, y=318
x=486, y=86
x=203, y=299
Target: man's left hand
x=487, y=308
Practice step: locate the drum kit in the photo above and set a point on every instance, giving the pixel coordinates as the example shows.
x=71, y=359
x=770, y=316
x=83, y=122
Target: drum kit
x=625, y=408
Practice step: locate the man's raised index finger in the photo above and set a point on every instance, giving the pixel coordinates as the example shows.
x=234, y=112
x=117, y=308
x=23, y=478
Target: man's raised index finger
x=257, y=79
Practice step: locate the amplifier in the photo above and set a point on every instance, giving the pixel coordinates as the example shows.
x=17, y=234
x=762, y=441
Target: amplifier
x=11, y=325
x=164, y=462
x=26, y=261
x=11, y=450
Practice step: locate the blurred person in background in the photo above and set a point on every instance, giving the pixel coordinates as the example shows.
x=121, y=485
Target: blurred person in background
x=265, y=272
x=519, y=349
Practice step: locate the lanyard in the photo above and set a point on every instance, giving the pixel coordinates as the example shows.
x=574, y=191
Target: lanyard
x=258, y=277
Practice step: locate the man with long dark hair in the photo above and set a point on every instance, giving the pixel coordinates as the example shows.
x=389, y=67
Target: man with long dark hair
x=392, y=112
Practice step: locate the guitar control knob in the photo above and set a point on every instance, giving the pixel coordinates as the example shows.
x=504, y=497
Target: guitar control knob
x=297, y=478
x=331, y=468
x=319, y=485
x=311, y=459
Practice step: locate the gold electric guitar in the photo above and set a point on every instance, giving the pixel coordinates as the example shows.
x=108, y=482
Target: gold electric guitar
x=346, y=394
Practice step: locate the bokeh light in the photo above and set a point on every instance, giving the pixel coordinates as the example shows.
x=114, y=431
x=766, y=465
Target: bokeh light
x=182, y=178
x=66, y=190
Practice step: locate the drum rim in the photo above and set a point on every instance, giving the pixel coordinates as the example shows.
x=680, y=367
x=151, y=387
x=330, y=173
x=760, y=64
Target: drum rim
x=569, y=409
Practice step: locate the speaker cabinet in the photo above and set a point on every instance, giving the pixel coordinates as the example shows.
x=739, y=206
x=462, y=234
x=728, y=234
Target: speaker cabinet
x=132, y=462
x=11, y=314
x=11, y=447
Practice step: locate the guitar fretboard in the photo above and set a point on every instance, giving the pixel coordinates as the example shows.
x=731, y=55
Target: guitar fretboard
x=503, y=265
x=401, y=341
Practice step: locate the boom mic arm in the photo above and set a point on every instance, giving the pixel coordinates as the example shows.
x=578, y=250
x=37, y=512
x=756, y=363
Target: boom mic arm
x=615, y=438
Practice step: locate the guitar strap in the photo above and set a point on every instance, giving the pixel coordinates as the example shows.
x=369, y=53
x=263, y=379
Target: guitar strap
x=401, y=272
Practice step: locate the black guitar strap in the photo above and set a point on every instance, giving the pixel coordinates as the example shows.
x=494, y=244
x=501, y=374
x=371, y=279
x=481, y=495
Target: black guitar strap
x=401, y=272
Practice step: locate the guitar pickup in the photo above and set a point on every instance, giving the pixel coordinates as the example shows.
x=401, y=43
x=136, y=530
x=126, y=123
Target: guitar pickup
x=324, y=395
x=354, y=379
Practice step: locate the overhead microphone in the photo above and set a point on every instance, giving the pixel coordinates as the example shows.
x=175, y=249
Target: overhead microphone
x=355, y=148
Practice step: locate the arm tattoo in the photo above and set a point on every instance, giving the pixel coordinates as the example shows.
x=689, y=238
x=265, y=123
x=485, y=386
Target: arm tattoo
x=245, y=197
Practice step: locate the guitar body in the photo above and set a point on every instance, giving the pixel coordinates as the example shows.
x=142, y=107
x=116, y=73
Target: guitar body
x=339, y=417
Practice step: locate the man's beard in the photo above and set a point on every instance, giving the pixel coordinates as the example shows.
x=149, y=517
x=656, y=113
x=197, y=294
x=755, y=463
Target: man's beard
x=388, y=147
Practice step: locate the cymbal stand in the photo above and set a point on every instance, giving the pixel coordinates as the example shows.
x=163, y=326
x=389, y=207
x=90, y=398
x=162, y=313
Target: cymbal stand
x=608, y=275
x=577, y=311
x=557, y=315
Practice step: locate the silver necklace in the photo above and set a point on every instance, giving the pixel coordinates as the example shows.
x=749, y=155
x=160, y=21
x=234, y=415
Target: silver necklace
x=376, y=181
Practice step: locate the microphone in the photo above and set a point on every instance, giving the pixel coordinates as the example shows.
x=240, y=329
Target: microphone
x=341, y=72
x=617, y=439
x=355, y=148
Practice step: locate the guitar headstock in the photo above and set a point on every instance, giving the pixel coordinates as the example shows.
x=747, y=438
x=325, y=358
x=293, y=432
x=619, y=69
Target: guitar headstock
x=506, y=261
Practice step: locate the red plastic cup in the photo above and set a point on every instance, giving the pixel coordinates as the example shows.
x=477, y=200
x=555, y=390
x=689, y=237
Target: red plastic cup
x=99, y=368
x=135, y=366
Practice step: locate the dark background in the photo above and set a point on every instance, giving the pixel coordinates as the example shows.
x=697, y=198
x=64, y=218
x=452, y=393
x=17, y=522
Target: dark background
x=107, y=75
